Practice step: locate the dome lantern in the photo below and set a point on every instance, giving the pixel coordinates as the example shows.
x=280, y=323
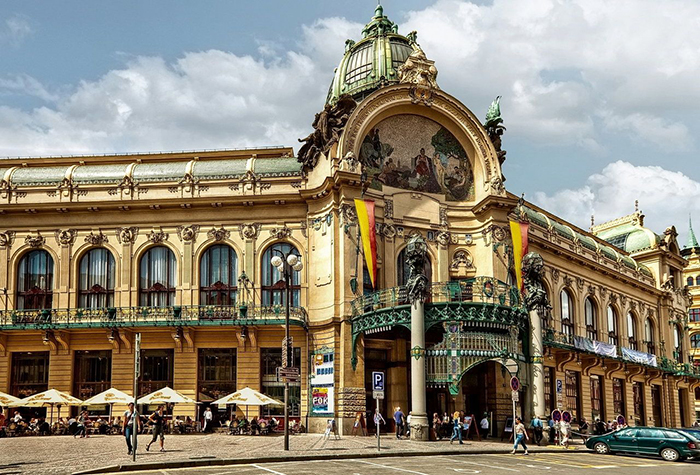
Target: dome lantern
x=372, y=62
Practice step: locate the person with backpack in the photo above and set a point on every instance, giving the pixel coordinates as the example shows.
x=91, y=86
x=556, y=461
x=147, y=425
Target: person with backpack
x=128, y=431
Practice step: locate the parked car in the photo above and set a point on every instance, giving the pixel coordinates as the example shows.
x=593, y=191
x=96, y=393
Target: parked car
x=670, y=444
x=694, y=431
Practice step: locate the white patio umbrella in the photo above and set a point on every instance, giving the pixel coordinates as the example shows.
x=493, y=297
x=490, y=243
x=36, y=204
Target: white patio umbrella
x=51, y=397
x=6, y=399
x=165, y=396
x=111, y=396
x=248, y=397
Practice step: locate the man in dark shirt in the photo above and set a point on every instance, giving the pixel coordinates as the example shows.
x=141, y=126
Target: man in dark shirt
x=158, y=420
x=398, y=419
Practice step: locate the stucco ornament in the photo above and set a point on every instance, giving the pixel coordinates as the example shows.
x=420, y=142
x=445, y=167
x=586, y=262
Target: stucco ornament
x=535, y=294
x=328, y=126
x=249, y=231
x=96, y=239
x=35, y=241
x=188, y=233
x=281, y=233
x=157, y=237
x=127, y=235
x=66, y=237
x=418, y=70
x=218, y=234
x=461, y=258
x=417, y=285
x=7, y=238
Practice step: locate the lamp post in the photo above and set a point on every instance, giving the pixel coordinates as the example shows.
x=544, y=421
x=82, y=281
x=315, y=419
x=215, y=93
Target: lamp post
x=286, y=264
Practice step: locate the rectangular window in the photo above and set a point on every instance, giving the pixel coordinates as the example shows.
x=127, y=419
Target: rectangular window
x=270, y=360
x=638, y=396
x=596, y=397
x=573, y=394
x=618, y=397
x=548, y=390
x=93, y=373
x=30, y=373
x=694, y=315
x=216, y=373
x=156, y=370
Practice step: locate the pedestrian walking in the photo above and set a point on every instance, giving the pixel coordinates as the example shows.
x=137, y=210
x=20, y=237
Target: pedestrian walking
x=158, y=421
x=552, y=430
x=208, y=420
x=537, y=428
x=456, y=428
x=398, y=420
x=129, y=416
x=378, y=420
x=484, y=425
x=408, y=424
x=520, y=436
x=83, y=421
x=565, y=430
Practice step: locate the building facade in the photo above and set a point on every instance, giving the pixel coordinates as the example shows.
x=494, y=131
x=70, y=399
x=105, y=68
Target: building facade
x=692, y=280
x=177, y=247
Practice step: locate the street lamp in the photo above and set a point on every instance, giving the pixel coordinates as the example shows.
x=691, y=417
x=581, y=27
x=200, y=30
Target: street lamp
x=286, y=264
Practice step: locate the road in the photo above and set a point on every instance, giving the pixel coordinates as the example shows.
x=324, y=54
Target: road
x=535, y=464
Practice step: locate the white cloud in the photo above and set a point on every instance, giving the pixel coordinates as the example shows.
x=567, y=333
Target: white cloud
x=666, y=197
x=578, y=73
x=14, y=30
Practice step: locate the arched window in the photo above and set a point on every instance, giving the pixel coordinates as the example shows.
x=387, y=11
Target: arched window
x=96, y=286
x=690, y=281
x=567, y=313
x=695, y=341
x=218, y=276
x=649, y=336
x=272, y=281
x=697, y=280
x=612, y=326
x=157, y=278
x=678, y=343
x=591, y=319
x=404, y=271
x=35, y=281
x=632, y=330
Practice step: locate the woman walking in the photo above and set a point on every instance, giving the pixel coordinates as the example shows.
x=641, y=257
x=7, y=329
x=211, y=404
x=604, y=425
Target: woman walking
x=456, y=428
x=158, y=420
x=520, y=435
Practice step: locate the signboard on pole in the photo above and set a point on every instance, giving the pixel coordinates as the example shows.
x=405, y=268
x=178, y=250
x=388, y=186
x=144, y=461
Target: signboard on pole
x=378, y=394
x=378, y=380
x=287, y=344
x=290, y=375
x=516, y=396
x=560, y=386
x=514, y=384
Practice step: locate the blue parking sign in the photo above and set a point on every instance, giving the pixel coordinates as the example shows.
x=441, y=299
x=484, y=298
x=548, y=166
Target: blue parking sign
x=377, y=380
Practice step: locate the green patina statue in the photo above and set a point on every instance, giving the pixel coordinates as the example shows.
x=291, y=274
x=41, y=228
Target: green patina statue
x=494, y=127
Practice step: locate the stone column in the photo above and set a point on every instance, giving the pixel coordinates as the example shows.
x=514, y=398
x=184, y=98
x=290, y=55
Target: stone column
x=536, y=303
x=537, y=366
x=417, y=288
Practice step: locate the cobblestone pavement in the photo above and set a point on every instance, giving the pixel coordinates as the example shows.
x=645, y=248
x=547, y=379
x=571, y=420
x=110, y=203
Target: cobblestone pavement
x=54, y=455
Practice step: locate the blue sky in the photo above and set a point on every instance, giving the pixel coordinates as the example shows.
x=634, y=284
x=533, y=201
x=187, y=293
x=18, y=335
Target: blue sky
x=600, y=99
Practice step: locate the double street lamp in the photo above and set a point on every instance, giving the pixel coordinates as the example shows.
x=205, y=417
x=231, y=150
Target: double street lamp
x=286, y=264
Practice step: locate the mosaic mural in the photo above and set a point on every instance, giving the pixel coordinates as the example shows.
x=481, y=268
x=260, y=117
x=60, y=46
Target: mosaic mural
x=416, y=153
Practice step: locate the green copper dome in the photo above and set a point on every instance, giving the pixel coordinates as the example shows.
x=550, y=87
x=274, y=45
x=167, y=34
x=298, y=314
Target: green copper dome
x=373, y=61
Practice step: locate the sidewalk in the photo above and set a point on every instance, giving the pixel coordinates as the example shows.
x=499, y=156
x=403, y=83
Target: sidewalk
x=62, y=455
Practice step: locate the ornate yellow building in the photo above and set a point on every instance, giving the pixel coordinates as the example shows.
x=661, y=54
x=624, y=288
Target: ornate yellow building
x=692, y=280
x=177, y=247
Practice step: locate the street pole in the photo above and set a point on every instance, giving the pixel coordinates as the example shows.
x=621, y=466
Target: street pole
x=376, y=412
x=137, y=373
x=287, y=272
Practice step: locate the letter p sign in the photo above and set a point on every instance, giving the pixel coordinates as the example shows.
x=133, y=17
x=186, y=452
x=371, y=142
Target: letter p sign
x=377, y=380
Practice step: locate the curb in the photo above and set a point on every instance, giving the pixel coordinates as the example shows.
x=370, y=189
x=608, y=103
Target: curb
x=214, y=462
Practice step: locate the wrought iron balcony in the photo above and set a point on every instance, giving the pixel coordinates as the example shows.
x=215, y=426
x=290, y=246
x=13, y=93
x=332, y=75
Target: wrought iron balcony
x=150, y=316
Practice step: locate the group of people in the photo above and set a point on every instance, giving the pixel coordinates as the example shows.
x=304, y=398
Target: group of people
x=457, y=425
x=256, y=426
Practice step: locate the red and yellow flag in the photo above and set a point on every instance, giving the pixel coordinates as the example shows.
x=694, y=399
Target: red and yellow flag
x=365, y=217
x=518, y=231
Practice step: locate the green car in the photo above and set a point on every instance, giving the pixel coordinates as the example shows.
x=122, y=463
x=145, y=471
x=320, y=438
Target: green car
x=670, y=444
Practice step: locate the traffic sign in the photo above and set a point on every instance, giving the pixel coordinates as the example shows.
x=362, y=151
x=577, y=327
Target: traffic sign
x=560, y=386
x=556, y=415
x=514, y=384
x=377, y=380
x=516, y=396
x=290, y=375
x=378, y=394
x=566, y=416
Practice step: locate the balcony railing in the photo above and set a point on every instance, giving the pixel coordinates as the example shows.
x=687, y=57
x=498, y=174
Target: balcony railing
x=150, y=316
x=566, y=340
x=478, y=290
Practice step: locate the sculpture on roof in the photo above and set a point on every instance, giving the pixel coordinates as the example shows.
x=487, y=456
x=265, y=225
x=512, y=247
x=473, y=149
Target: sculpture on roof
x=535, y=294
x=418, y=69
x=328, y=126
x=494, y=127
